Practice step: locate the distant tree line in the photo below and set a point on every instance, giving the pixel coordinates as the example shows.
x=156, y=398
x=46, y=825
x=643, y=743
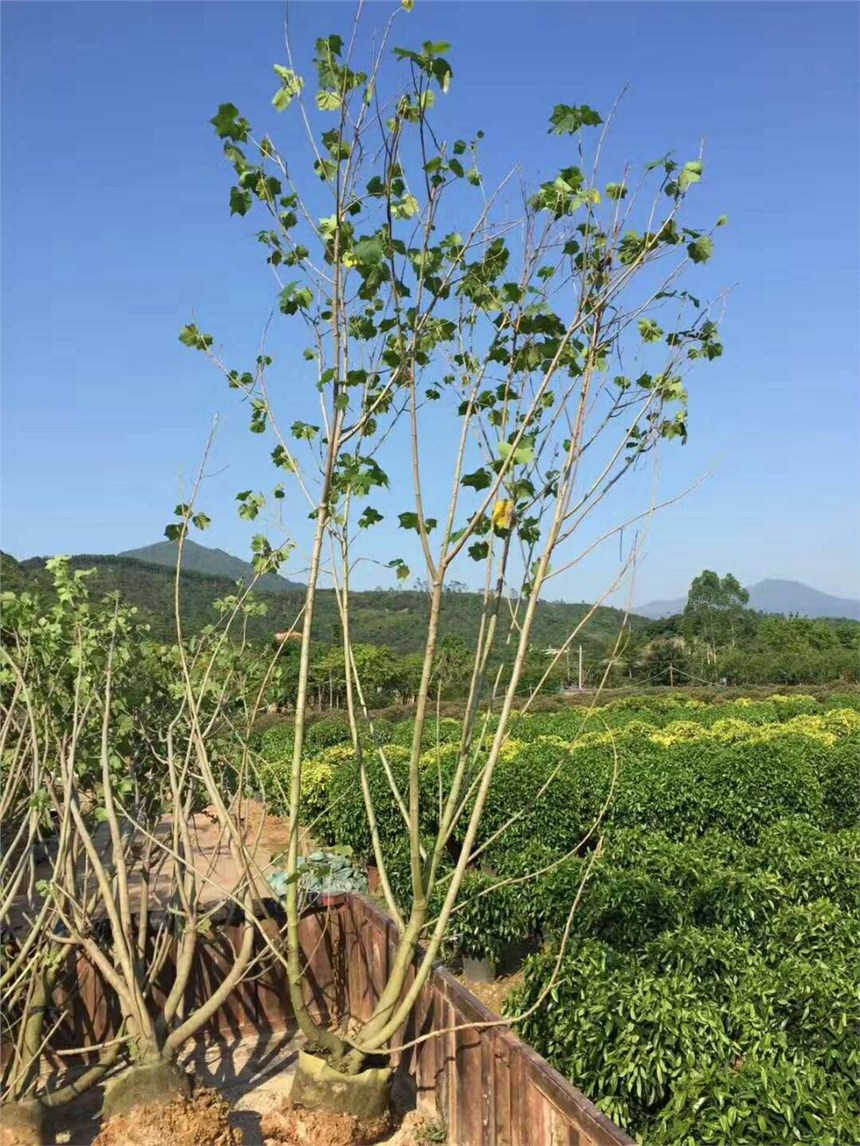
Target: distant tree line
x=716, y=639
x=719, y=639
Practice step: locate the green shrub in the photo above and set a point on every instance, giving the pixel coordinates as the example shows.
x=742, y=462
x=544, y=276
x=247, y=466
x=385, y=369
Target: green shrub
x=547, y=897
x=383, y=732
x=276, y=743
x=625, y=1034
x=326, y=732
x=347, y=813
x=817, y=1006
x=840, y=783
x=488, y=917
x=647, y=1035
x=709, y=992
x=818, y=930
x=688, y=787
x=628, y=908
x=534, y=784
x=758, y=1103
x=715, y=957
x=444, y=731
x=817, y=863
x=741, y=901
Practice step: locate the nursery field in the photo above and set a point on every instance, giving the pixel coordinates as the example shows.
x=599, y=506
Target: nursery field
x=706, y=988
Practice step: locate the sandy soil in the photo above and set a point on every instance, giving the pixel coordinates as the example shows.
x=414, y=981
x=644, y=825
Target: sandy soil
x=254, y=1075
x=492, y=995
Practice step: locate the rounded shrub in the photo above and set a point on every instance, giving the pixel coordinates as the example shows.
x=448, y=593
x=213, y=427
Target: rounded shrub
x=347, y=813
x=839, y=771
x=276, y=743
x=326, y=732
x=626, y=1034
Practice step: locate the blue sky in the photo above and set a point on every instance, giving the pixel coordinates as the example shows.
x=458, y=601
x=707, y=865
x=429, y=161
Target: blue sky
x=116, y=230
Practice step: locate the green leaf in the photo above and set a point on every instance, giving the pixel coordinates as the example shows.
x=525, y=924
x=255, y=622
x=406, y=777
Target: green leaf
x=328, y=101
x=294, y=297
x=201, y=520
x=291, y=86
x=405, y=208
x=691, y=174
x=650, y=330
x=369, y=251
x=701, y=249
x=240, y=201
x=191, y=336
x=402, y=568
x=478, y=480
x=282, y=459
x=369, y=517
x=616, y=191
x=407, y=5
x=723, y=219
x=567, y=119
x=282, y=99
x=229, y=124
x=304, y=431
x=479, y=550
x=523, y=454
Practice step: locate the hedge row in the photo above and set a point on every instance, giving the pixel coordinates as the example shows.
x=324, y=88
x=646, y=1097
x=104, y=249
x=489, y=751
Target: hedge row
x=276, y=741
x=711, y=991
x=684, y=779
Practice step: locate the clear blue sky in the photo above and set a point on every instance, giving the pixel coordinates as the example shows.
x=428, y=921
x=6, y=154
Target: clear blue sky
x=115, y=229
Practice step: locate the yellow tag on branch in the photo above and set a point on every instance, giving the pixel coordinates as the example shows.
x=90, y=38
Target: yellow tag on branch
x=503, y=514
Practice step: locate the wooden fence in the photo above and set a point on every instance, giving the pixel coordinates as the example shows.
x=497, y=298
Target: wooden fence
x=485, y=1082
x=490, y=1088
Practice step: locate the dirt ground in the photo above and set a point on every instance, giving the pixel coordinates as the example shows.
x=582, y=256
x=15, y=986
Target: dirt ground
x=254, y=1075
x=492, y=995
x=220, y=873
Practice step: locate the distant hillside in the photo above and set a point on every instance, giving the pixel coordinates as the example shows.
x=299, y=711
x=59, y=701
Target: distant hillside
x=214, y=562
x=393, y=618
x=773, y=596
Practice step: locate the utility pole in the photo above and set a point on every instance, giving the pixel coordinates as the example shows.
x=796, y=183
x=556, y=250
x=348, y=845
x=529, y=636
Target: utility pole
x=580, y=668
x=671, y=675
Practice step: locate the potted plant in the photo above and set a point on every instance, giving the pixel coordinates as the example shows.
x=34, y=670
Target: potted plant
x=323, y=877
x=490, y=928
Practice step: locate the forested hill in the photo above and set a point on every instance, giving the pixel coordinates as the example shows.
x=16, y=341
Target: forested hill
x=215, y=562
x=395, y=619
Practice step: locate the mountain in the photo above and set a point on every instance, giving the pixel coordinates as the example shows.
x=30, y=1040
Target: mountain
x=393, y=618
x=773, y=596
x=213, y=562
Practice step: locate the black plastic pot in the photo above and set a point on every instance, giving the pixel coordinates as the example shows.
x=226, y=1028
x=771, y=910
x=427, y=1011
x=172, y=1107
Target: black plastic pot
x=478, y=970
